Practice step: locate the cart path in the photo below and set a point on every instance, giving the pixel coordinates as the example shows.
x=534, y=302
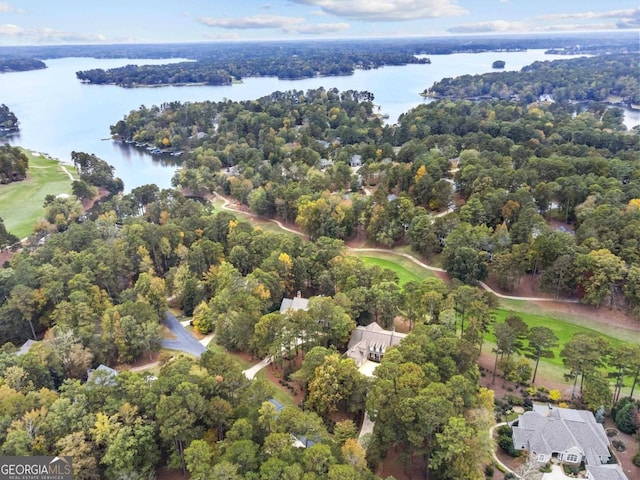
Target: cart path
x=226, y=206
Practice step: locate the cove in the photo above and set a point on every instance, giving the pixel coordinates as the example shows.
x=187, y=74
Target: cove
x=58, y=114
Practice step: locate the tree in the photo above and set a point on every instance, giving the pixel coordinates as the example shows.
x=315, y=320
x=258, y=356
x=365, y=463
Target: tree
x=85, y=465
x=336, y=383
x=133, y=450
x=203, y=318
x=597, y=391
x=625, y=358
x=466, y=264
x=601, y=270
x=582, y=354
x=505, y=342
x=541, y=342
x=199, y=457
x=454, y=457
x=83, y=191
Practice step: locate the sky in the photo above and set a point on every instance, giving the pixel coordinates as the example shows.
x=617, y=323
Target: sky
x=41, y=22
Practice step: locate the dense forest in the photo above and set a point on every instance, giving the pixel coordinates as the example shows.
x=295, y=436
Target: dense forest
x=99, y=289
x=296, y=156
x=20, y=64
x=220, y=64
x=287, y=62
x=493, y=189
x=600, y=78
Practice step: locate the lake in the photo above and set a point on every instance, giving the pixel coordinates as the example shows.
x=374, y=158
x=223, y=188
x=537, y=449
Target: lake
x=58, y=114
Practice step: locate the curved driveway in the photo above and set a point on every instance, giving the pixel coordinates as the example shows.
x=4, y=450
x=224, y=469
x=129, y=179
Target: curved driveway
x=184, y=341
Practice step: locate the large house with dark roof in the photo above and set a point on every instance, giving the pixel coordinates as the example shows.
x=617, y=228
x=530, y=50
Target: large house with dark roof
x=569, y=436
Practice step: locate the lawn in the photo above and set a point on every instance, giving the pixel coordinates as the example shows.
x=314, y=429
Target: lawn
x=405, y=269
x=564, y=330
x=21, y=203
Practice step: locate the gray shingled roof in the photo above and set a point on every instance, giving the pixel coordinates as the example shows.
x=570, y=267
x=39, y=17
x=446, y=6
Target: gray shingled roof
x=297, y=303
x=372, y=338
x=606, y=472
x=549, y=429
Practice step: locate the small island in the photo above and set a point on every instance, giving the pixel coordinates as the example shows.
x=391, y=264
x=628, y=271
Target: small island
x=8, y=65
x=498, y=64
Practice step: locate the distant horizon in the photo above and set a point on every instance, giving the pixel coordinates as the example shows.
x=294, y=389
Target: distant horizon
x=76, y=22
x=343, y=39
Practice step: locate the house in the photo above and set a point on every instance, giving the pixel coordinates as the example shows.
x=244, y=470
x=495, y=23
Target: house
x=325, y=162
x=356, y=161
x=102, y=375
x=297, y=303
x=298, y=441
x=371, y=343
x=570, y=436
x=605, y=472
x=26, y=346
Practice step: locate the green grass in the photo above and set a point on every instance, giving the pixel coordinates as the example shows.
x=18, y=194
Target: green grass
x=21, y=202
x=282, y=397
x=406, y=270
x=574, y=318
x=564, y=330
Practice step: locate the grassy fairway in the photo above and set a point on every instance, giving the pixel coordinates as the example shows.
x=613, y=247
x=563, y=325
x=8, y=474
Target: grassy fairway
x=564, y=331
x=21, y=202
x=405, y=269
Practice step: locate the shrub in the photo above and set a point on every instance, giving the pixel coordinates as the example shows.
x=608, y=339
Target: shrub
x=555, y=395
x=627, y=419
x=546, y=468
x=505, y=430
x=515, y=400
x=636, y=459
x=489, y=470
x=611, y=432
x=618, y=445
x=531, y=391
x=509, y=476
x=505, y=442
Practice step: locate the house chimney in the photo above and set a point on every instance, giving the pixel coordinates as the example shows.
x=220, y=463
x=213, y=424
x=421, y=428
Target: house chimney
x=299, y=294
x=393, y=330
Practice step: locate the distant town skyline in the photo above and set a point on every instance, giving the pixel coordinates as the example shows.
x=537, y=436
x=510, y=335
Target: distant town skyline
x=36, y=22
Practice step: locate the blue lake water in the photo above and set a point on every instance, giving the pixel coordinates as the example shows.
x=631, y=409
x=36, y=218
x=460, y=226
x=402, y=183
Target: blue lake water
x=58, y=114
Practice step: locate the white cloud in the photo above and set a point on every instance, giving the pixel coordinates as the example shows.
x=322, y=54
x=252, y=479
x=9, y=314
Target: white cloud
x=495, y=26
x=388, y=10
x=627, y=13
x=11, y=30
x=6, y=8
x=503, y=26
x=255, y=21
x=318, y=29
x=49, y=35
x=222, y=36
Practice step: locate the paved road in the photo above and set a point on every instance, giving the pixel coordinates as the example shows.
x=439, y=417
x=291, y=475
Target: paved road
x=184, y=341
